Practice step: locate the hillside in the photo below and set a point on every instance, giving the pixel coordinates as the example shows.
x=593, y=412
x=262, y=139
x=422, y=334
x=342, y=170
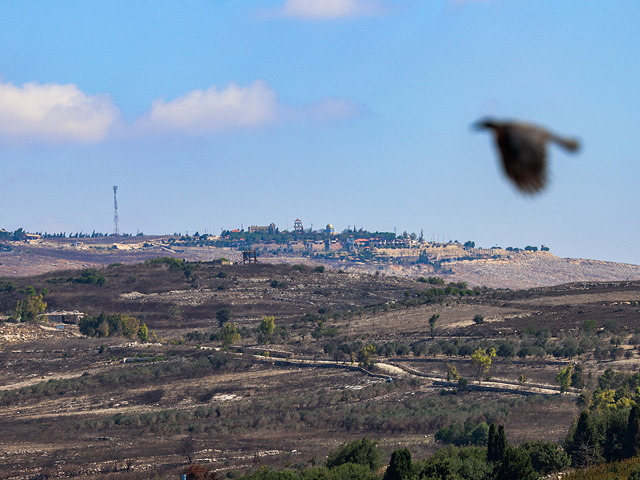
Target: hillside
x=147, y=410
x=491, y=268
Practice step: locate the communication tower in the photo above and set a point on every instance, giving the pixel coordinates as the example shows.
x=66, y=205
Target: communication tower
x=116, y=227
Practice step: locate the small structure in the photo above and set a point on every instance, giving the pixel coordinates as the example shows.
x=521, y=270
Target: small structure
x=249, y=256
x=297, y=226
x=68, y=317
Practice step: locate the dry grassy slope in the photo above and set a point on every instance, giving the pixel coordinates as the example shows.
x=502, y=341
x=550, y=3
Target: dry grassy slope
x=541, y=269
x=25, y=424
x=517, y=271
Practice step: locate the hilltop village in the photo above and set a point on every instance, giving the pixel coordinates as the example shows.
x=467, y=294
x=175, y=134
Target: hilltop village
x=355, y=246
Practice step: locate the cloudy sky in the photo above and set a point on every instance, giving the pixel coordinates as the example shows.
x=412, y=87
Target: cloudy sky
x=229, y=113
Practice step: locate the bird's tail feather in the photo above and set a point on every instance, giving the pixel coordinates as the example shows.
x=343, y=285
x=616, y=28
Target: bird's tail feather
x=570, y=144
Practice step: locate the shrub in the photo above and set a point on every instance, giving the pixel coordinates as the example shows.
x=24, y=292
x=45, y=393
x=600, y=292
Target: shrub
x=455, y=462
x=516, y=464
x=361, y=452
x=8, y=286
x=546, y=457
x=471, y=434
x=611, y=325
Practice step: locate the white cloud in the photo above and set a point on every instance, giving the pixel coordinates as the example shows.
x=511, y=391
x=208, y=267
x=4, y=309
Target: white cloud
x=63, y=113
x=52, y=112
x=234, y=107
x=214, y=110
x=326, y=9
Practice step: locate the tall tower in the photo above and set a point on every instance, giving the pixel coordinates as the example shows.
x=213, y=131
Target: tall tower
x=116, y=228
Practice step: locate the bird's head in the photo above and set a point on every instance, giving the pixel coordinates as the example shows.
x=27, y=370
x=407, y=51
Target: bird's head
x=485, y=123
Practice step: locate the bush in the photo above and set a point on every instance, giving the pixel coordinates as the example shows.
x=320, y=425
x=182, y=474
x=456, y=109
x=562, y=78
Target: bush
x=471, y=434
x=8, y=286
x=109, y=325
x=546, y=457
x=363, y=452
x=516, y=464
x=611, y=325
x=455, y=462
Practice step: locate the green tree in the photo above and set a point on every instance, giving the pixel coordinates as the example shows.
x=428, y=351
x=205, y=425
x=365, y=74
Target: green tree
x=563, y=378
x=577, y=377
x=103, y=328
x=28, y=309
x=362, y=452
x=432, y=323
x=481, y=360
x=365, y=355
x=230, y=334
x=546, y=457
x=455, y=463
x=265, y=329
x=223, y=316
x=400, y=467
x=501, y=443
x=516, y=464
x=492, y=442
x=471, y=434
x=583, y=442
x=129, y=326
x=632, y=437
x=143, y=333
x=452, y=373
x=8, y=286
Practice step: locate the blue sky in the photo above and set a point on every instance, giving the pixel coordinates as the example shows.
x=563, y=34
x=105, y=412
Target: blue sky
x=217, y=114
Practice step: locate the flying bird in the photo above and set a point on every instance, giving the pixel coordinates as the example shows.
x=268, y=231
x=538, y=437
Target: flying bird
x=523, y=148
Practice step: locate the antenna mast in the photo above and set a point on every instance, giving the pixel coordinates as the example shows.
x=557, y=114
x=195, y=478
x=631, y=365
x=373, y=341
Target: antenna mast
x=116, y=228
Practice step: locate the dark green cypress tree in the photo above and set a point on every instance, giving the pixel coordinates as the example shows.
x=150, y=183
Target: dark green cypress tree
x=491, y=443
x=582, y=444
x=632, y=438
x=400, y=467
x=501, y=443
